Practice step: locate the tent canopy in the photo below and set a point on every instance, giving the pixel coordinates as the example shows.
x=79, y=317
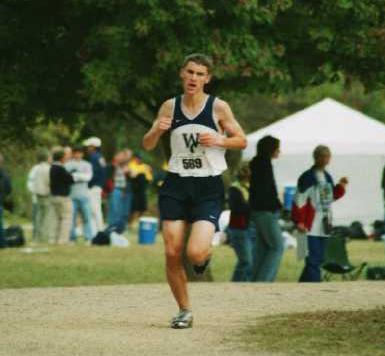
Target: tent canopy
x=329, y=122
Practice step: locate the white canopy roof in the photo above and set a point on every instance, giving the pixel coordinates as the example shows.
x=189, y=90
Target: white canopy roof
x=344, y=130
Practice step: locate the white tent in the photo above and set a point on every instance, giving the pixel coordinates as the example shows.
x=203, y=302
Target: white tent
x=358, y=146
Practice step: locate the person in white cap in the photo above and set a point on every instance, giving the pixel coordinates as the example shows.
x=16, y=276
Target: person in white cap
x=96, y=184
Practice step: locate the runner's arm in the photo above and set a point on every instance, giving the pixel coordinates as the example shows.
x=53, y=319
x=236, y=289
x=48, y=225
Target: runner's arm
x=161, y=124
x=235, y=138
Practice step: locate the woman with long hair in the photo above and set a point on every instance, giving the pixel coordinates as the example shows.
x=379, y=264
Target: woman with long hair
x=265, y=208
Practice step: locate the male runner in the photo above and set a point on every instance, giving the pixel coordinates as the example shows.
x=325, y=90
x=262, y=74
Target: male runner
x=201, y=128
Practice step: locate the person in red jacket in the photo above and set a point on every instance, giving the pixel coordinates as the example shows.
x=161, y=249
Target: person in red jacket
x=312, y=210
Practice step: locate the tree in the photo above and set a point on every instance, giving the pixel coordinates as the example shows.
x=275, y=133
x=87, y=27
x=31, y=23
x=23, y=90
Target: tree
x=329, y=40
x=62, y=58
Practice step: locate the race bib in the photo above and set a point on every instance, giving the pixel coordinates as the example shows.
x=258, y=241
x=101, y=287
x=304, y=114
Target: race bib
x=191, y=162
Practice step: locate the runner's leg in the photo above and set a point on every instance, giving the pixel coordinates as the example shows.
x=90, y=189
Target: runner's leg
x=199, y=244
x=173, y=235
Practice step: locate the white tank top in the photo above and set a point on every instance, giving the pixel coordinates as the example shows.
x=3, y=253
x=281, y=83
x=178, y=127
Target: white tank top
x=188, y=157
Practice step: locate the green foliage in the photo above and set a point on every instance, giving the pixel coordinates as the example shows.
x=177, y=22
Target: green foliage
x=63, y=58
x=136, y=57
x=325, y=40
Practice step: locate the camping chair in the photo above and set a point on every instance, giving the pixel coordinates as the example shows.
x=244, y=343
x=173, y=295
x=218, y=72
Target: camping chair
x=337, y=262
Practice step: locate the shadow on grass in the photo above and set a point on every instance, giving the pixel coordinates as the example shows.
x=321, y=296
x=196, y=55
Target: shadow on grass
x=360, y=332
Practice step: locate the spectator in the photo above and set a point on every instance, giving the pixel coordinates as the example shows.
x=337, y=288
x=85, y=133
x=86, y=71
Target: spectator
x=237, y=231
x=120, y=197
x=81, y=171
x=5, y=190
x=141, y=177
x=60, y=185
x=38, y=184
x=312, y=210
x=94, y=156
x=67, y=153
x=265, y=208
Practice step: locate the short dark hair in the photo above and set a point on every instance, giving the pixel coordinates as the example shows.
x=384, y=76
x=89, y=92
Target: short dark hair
x=78, y=148
x=58, y=154
x=266, y=146
x=321, y=150
x=199, y=58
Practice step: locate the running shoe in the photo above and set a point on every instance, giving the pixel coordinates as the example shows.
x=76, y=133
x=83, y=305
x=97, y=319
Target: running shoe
x=183, y=320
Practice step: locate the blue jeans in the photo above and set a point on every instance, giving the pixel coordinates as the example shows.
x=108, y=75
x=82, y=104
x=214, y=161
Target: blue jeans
x=83, y=206
x=2, y=239
x=119, y=209
x=267, y=239
x=241, y=243
x=312, y=270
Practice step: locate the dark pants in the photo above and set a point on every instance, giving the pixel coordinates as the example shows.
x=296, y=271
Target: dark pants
x=2, y=239
x=314, y=260
x=241, y=243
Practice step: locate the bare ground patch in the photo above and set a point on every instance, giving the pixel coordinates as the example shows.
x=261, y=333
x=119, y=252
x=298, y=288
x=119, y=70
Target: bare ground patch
x=133, y=319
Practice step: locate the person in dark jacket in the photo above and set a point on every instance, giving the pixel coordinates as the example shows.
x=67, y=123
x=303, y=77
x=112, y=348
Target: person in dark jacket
x=97, y=182
x=237, y=231
x=5, y=190
x=60, y=185
x=265, y=208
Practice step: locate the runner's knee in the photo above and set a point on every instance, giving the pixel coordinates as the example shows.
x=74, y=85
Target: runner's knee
x=197, y=256
x=173, y=253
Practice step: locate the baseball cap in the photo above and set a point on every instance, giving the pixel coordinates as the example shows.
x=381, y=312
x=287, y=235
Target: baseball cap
x=93, y=141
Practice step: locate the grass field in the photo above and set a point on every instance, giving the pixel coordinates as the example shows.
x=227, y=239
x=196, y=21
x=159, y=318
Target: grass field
x=319, y=333
x=83, y=265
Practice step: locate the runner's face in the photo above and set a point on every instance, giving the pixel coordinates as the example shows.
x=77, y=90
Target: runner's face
x=194, y=77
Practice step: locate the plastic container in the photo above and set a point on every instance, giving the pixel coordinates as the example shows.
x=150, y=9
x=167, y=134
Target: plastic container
x=288, y=197
x=148, y=228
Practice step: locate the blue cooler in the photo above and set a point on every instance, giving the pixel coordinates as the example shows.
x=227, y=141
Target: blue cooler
x=148, y=228
x=288, y=197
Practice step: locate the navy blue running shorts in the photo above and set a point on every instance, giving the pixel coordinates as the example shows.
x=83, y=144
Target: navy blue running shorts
x=191, y=198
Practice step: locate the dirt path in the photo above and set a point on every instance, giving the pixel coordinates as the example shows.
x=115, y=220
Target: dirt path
x=133, y=320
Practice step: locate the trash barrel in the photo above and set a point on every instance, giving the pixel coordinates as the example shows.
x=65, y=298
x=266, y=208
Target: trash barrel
x=288, y=197
x=148, y=228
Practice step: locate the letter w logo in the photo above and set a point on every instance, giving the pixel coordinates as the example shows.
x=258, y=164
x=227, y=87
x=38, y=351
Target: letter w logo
x=191, y=141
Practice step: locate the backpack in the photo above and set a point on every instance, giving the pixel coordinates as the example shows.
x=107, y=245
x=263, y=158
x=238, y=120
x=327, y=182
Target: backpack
x=357, y=231
x=14, y=236
x=103, y=237
x=375, y=273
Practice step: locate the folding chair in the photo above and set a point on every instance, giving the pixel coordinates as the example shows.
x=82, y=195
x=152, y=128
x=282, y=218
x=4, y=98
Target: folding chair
x=336, y=261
